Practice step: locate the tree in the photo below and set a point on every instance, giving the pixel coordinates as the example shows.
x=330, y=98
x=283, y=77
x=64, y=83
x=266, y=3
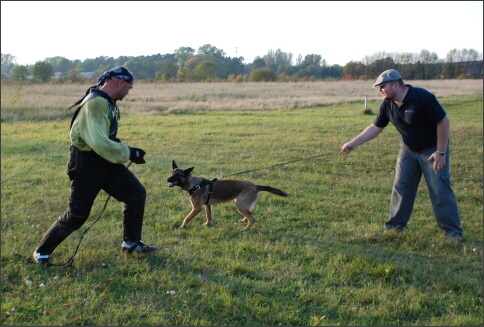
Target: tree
x=74, y=75
x=258, y=63
x=167, y=70
x=42, y=71
x=8, y=59
x=378, y=66
x=208, y=49
x=181, y=74
x=8, y=62
x=299, y=60
x=333, y=71
x=60, y=64
x=405, y=58
x=205, y=71
x=88, y=65
x=278, y=60
x=20, y=73
x=354, y=70
x=229, y=66
x=312, y=60
x=183, y=54
x=424, y=69
x=448, y=69
x=460, y=63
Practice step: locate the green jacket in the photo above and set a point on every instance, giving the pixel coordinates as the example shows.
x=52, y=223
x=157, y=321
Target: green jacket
x=95, y=128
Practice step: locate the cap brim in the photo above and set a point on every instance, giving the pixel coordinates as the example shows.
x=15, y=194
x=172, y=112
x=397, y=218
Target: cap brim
x=381, y=83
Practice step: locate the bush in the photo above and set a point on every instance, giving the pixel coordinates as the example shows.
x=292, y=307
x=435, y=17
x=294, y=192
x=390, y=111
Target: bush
x=263, y=74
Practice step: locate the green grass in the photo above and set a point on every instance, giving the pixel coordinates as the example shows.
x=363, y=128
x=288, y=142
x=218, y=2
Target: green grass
x=318, y=257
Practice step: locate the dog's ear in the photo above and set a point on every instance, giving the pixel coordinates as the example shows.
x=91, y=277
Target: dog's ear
x=173, y=165
x=188, y=170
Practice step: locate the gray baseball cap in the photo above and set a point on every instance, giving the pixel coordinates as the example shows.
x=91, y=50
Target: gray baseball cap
x=390, y=75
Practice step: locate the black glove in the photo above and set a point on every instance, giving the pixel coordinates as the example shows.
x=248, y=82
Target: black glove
x=136, y=155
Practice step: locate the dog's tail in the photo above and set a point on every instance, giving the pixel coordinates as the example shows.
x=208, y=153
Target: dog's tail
x=271, y=190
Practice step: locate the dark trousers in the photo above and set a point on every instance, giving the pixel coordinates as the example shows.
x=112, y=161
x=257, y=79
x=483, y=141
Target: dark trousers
x=89, y=174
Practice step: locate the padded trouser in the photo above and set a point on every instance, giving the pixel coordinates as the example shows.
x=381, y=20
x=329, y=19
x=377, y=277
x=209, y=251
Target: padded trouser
x=89, y=174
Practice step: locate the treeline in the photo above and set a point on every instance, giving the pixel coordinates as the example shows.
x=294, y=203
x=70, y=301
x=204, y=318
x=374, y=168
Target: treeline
x=209, y=64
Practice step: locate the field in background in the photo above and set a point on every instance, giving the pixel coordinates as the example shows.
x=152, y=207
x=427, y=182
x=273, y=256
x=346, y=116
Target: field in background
x=319, y=257
x=49, y=101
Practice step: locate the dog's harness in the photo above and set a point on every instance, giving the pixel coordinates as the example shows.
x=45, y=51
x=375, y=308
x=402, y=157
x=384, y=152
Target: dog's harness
x=204, y=183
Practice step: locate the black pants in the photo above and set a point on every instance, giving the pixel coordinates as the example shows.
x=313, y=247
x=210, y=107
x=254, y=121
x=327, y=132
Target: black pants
x=89, y=174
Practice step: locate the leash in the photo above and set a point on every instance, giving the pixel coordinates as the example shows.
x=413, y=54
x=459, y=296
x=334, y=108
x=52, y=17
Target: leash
x=70, y=262
x=280, y=164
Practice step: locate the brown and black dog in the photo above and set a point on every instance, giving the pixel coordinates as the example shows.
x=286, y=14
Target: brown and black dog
x=204, y=192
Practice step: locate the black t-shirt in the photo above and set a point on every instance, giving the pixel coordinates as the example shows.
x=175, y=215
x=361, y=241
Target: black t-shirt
x=416, y=119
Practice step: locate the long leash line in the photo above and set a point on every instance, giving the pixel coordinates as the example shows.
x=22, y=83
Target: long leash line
x=280, y=164
x=70, y=262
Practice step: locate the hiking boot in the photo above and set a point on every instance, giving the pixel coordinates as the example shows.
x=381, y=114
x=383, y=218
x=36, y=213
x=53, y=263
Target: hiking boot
x=389, y=227
x=457, y=240
x=138, y=247
x=42, y=259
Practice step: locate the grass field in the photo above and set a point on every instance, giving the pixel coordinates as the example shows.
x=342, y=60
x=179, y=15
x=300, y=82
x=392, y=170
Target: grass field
x=319, y=257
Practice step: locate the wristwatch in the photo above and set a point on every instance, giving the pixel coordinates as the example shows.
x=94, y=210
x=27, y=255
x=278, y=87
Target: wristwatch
x=440, y=153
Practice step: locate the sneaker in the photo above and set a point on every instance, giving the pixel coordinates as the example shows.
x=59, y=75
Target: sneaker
x=42, y=259
x=138, y=247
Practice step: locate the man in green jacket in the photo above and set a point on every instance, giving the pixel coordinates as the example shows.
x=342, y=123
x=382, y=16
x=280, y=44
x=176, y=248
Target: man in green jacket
x=96, y=162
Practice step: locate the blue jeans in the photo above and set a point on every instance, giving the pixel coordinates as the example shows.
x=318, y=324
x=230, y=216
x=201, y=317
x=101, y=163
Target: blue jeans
x=409, y=169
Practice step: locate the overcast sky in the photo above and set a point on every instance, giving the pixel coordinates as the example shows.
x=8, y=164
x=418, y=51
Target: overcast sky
x=340, y=31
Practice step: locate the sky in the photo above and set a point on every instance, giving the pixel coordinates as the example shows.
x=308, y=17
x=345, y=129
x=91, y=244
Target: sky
x=339, y=31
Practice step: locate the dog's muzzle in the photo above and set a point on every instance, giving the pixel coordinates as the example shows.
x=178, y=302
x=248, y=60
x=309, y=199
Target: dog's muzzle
x=172, y=184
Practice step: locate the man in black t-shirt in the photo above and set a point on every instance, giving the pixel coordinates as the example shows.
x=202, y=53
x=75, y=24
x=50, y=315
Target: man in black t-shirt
x=424, y=128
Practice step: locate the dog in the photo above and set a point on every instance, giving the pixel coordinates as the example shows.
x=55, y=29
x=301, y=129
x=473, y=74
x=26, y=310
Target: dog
x=205, y=193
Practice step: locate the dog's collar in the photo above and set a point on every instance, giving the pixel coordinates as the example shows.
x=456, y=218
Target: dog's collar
x=187, y=184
